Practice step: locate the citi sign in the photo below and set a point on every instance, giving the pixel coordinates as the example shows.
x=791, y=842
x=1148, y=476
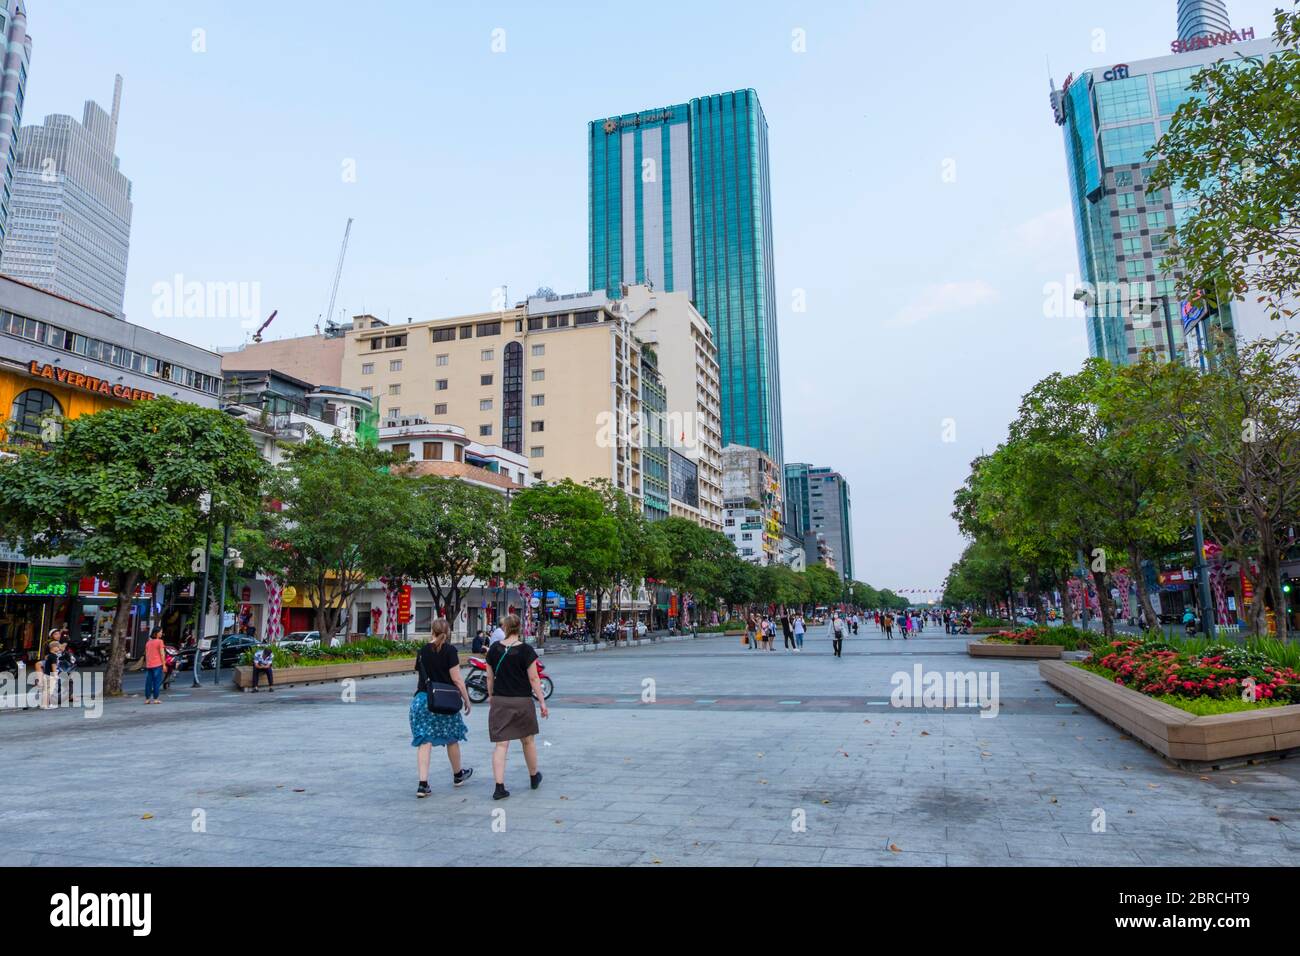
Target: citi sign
x=1117, y=72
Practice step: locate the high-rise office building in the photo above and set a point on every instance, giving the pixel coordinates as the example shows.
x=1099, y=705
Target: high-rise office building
x=1111, y=116
x=1198, y=18
x=820, y=498
x=70, y=221
x=13, y=87
x=680, y=198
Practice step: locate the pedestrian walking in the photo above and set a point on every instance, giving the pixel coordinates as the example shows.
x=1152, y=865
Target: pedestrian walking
x=887, y=621
x=48, y=668
x=787, y=629
x=513, y=685
x=436, y=707
x=769, y=634
x=799, y=629
x=264, y=664
x=837, y=634
x=155, y=658
x=751, y=631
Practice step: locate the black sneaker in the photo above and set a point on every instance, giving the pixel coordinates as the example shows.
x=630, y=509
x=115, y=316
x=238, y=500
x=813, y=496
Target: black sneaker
x=423, y=790
x=501, y=792
x=459, y=778
x=535, y=780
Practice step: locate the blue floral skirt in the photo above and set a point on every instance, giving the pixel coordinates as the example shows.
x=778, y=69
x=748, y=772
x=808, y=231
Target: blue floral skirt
x=436, y=729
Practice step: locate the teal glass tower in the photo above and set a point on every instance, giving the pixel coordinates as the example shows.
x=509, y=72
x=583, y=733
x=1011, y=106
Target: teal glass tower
x=680, y=198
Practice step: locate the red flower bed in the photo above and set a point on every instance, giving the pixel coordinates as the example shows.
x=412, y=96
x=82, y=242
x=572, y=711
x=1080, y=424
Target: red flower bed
x=1154, y=668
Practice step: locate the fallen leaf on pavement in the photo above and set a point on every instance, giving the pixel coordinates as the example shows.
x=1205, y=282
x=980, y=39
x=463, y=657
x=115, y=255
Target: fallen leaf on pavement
x=147, y=816
x=895, y=848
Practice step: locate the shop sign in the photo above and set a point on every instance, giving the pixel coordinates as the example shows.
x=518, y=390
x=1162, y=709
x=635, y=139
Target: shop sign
x=1226, y=38
x=38, y=582
x=582, y=605
x=87, y=383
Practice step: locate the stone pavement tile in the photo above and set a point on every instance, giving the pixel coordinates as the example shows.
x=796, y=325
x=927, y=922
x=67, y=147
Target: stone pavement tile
x=883, y=857
x=766, y=851
x=558, y=856
x=976, y=858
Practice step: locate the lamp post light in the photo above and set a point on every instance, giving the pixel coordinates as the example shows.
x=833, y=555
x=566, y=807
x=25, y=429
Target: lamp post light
x=205, y=508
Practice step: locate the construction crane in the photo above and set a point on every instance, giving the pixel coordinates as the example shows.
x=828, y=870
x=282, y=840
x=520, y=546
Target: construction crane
x=257, y=336
x=338, y=274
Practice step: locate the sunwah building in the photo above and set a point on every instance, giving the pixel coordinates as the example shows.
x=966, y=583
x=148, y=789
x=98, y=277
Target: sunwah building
x=1111, y=116
x=680, y=200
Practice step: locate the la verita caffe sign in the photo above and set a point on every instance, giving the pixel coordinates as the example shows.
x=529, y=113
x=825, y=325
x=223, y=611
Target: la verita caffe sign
x=88, y=383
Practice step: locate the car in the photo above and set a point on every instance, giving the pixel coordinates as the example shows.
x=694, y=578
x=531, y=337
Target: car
x=233, y=647
x=299, y=640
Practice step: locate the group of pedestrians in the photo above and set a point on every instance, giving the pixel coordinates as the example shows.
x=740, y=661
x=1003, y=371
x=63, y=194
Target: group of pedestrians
x=441, y=703
x=56, y=669
x=760, y=630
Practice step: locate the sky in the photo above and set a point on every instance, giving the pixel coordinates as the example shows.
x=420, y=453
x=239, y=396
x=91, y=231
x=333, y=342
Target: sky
x=919, y=192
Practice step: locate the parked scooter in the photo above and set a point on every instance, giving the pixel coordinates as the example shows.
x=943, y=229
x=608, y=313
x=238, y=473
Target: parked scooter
x=476, y=680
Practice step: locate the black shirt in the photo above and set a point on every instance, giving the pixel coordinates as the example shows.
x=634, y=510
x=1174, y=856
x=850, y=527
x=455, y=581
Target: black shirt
x=437, y=665
x=510, y=666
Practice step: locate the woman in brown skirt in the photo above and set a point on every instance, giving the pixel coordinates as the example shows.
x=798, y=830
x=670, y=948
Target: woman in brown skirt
x=512, y=686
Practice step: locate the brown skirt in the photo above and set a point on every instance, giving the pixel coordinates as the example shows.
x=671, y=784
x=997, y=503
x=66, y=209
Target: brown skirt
x=511, y=718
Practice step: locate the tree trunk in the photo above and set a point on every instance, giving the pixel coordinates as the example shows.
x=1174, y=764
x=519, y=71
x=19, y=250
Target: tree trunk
x=1035, y=598
x=1144, y=598
x=1067, y=605
x=125, y=587
x=1106, y=603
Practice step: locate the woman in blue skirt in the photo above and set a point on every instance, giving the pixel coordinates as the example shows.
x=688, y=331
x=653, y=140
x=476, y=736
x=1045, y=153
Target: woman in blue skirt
x=438, y=663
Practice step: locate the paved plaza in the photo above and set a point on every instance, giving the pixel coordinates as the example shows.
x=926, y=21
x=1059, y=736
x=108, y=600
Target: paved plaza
x=744, y=758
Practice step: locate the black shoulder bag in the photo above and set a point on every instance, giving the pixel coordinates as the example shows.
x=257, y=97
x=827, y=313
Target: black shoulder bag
x=443, y=699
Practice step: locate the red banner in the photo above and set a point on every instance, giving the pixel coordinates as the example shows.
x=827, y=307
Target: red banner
x=404, y=605
x=581, y=598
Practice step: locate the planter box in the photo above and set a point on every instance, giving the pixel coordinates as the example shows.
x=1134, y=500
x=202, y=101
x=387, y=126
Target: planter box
x=1015, y=651
x=1191, y=741
x=328, y=673
x=993, y=630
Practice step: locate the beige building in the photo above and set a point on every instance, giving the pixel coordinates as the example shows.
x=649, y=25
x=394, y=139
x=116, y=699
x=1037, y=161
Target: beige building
x=681, y=338
x=557, y=382
x=313, y=358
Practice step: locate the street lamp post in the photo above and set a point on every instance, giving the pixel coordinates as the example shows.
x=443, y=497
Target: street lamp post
x=1202, y=576
x=205, y=507
x=221, y=603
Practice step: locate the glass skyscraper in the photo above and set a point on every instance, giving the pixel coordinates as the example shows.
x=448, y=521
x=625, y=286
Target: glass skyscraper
x=17, y=55
x=1111, y=116
x=680, y=198
x=70, y=226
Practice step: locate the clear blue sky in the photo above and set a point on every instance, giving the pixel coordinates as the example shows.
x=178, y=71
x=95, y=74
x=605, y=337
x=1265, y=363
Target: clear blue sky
x=925, y=297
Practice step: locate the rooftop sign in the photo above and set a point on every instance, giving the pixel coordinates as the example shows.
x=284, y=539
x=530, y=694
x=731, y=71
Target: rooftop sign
x=1212, y=39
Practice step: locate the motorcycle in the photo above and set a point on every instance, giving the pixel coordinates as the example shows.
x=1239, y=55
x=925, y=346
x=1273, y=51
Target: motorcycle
x=476, y=680
x=171, y=664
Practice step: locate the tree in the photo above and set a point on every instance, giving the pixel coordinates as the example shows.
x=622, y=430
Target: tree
x=338, y=525
x=636, y=548
x=454, y=533
x=693, y=559
x=1233, y=151
x=567, y=537
x=119, y=493
x=824, y=585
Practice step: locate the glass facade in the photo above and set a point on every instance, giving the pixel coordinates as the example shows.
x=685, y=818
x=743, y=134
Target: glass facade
x=680, y=198
x=1121, y=228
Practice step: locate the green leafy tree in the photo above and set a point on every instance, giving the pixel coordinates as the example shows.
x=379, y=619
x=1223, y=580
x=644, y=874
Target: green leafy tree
x=453, y=534
x=119, y=493
x=338, y=525
x=568, y=537
x=1233, y=151
x=693, y=559
x=824, y=585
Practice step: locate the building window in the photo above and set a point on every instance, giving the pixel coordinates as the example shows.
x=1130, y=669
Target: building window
x=31, y=412
x=443, y=360
x=539, y=375
x=441, y=385
x=367, y=368
x=458, y=453
x=535, y=323
x=447, y=334
x=485, y=405
x=485, y=379
x=376, y=344
x=537, y=475
x=433, y=451
x=539, y=350
x=440, y=409
x=488, y=328
x=368, y=391
x=539, y=426
x=557, y=321
x=467, y=331
x=538, y=401
x=402, y=451
x=512, y=398
x=395, y=342
x=395, y=365
x=484, y=431
x=424, y=618
x=537, y=451
x=487, y=355
x=394, y=389
x=394, y=414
